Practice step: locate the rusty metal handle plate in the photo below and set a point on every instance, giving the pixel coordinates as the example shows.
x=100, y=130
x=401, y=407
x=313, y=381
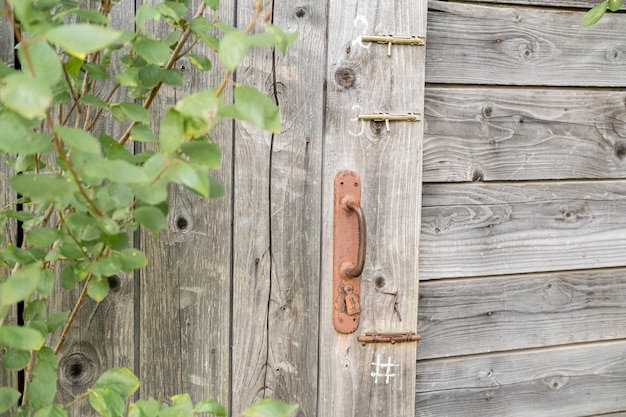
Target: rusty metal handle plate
x=349, y=250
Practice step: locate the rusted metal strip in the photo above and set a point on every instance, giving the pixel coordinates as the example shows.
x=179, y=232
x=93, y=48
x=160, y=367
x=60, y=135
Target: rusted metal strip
x=392, y=338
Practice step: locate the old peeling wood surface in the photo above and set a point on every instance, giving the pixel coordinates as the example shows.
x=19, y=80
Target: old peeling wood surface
x=277, y=218
x=493, y=134
x=480, y=315
x=508, y=228
x=584, y=4
x=478, y=44
x=184, y=293
x=375, y=379
x=557, y=382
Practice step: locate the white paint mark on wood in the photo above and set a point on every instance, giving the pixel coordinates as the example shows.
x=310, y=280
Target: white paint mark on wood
x=383, y=370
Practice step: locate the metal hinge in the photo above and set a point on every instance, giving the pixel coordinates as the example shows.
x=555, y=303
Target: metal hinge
x=375, y=337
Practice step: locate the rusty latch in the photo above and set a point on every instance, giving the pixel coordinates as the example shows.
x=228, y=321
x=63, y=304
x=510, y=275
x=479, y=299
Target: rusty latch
x=392, y=338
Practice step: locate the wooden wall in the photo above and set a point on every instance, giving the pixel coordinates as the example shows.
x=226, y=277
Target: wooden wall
x=522, y=306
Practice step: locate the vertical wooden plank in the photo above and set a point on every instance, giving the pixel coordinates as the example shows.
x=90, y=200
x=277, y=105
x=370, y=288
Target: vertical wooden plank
x=375, y=379
x=184, y=296
x=277, y=219
x=102, y=335
x=8, y=233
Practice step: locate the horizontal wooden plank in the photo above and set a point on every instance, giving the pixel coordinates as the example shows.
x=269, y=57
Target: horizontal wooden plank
x=479, y=315
x=483, y=44
x=583, y=4
x=477, y=229
x=570, y=381
x=523, y=134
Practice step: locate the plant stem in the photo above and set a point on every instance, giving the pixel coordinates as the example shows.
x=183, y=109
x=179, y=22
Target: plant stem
x=73, y=314
x=76, y=400
x=168, y=65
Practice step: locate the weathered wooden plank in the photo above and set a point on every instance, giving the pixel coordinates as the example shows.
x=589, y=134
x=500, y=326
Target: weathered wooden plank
x=479, y=315
x=277, y=219
x=584, y=4
x=569, y=381
x=509, y=228
x=184, y=307
x=477, y=44
x=523, y=134
x=103, y=334
x=362, y=79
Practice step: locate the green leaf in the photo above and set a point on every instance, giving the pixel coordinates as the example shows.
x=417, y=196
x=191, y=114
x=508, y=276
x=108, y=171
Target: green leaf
x=213, y=4
x=192, y=177
x=73, y=66
x=216, y=188
x=172, y=132
x=154, y=52
x=173, y=10
x=78, y=139
x=201, y=62
x=614, y=5
x=96, y=71
x=82, y=38
x=144, y=14
x=256, y=108
x=233, y=49
x=40, y=187
x=120, y=380
x=144, y=408
x=173, y=77
x=8, y=398
x=133, y=111
x=281, y=38
x=150, y=75
x=15, y=359
x=93, y=101
x=20, y=285
x=128, y=78
x=98, y=288
x=142, y=133
x=131, y=259
x=270, y=407
x=55, y=410
x=199, y=112
x=44, y=61
x=21, y=337
x=595, y=14
x=206, y=154
x=27, y=96
x=47, y=355
x=201, y=25
x=46, y=283
x=182, y=402
x=106, y=402
x=210, y=406
x=42, y=237
x=56, y=320
x=115, y=170
x=15, y=137
x=151, y=217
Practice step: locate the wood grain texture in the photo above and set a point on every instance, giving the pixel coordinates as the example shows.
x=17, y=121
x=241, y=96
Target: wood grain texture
x=571, y=381
x=277, y=219
x=184, y=306
x=494, y=134
x=509, y=228
x=583, y=4
x=362, y=79
x=103, y=334
x=478, y=44
x=481, y=315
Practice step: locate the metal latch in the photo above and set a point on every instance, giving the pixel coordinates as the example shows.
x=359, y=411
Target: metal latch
x=349, y=249
x=397, y=40
x=386, y=117
x=392, y=338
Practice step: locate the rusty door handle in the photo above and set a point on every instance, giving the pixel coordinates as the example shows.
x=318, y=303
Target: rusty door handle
x=349, y=244
x=349, y=269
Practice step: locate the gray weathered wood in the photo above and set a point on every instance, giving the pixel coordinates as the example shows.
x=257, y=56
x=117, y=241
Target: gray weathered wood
x=571, y=381
x=480, y=315
x=103, y=334
x=184, y=305
x=508, y=228
x=472, y=44
x=277, y=223
x=584, y=4
x=495, y=134
x=362, y=79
